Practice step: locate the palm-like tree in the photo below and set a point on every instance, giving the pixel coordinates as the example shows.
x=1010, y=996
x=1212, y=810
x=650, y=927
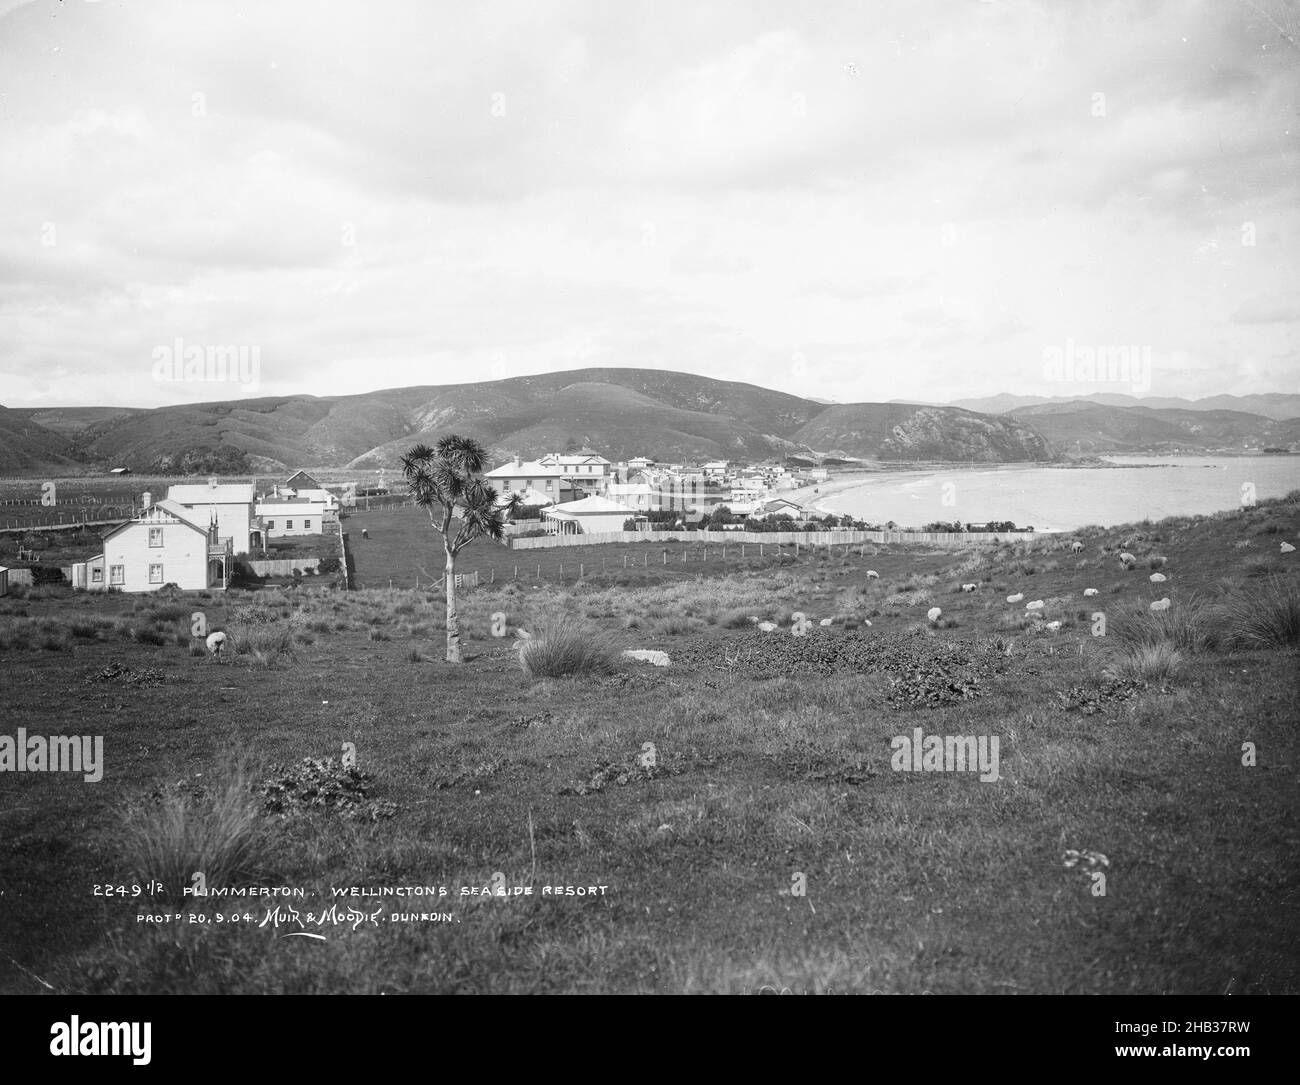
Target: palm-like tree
x=444, y=480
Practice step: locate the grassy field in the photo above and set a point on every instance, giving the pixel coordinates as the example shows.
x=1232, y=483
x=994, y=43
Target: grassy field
x=761, y=838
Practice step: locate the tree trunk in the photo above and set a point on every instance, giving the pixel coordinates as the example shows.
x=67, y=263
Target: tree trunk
x=453, y=619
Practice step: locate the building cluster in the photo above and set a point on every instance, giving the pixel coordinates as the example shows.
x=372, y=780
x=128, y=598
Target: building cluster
x=585, y=492
x=191, y=537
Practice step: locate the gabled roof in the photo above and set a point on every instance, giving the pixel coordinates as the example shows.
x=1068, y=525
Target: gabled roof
x=170, y=510
x=527, y=469
x=300, y=480
x=224, y=493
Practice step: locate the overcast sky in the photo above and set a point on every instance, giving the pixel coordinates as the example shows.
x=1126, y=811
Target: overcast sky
x=863, y=201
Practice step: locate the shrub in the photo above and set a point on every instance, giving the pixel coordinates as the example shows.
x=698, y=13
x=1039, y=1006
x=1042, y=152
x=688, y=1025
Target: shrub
x=1191, y=627
x=1147, y=663
x=266, y=643
x=1266, y=615
x=328, y=565
x=564, y=646
x=184, y=829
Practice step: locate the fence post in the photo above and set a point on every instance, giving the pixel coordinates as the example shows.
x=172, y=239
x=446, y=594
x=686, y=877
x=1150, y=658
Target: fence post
x=492, y=576
x=581, y=571
x=561, y=572
x=665, y=557
x=539, y=571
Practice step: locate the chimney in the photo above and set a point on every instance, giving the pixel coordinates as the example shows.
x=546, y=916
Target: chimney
x=519, y=460
x=212, y=483
x=146, y=499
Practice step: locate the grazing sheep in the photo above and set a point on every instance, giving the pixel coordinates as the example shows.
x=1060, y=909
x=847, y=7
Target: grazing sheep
x=767, y=627
x=1015, y=598
x=934, y=614
x=1037, y=604
x=969, y=587
x=1158, y=578
x=216, y=642
x=1076, y=547
x=872, y=574
x=1127, y=560
x=826, y=621
x=648, y=655
x=1287, y=548
x=1089, y=591
x=365, y=534
x=1053, y=626
x=1161, y=604
x=753, y=619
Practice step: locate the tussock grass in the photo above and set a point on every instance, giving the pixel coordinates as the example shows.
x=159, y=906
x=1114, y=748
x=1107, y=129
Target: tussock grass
x=561, y=646
x=1191, y=627
x=1265, y=615
x=1147, y=663
x=215, y=830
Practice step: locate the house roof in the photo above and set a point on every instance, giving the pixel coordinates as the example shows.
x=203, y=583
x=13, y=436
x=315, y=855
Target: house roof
x=177, y=512
x=224, y=493
x=527, y=469
x=300, y=480
x=588, y=506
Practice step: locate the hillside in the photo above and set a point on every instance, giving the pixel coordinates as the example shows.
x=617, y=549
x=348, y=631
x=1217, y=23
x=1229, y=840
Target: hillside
x=29, y=448
x=622, y=412
x=1275, y=405
x=1080, y=427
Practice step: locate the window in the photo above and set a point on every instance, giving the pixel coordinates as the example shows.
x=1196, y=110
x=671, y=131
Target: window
x=97, y=576
x=155, y=574
x=270, y=525
x=306, y=525
x=288, y=525
x=117, y=574
x=155, y=536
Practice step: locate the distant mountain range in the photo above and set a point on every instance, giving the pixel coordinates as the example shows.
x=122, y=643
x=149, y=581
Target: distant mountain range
x=1278, y=406
x=620, y=412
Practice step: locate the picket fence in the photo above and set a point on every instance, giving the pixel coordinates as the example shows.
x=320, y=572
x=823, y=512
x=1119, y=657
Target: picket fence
x=839, y=537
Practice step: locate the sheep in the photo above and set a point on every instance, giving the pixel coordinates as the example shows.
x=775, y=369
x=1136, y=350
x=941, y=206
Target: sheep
x=872, y=574
x=1037, y=604
x=648, y=655
x=826, y=621
x=1287, y=548
x=1127, y=560
x=753, y=619
x=1076, y=547
x=1015, y=598
x=216, y=642
x=1053, y=626
x=365, y=534
x=934, y=613
x=1089, y=591
x=1158, y=578
x=767, y=627
x=969, y=587
x=1161, y=604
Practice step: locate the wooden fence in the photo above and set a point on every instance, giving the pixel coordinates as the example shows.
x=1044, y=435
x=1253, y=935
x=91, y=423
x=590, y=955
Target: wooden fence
x=838, y=537
x=283, y=566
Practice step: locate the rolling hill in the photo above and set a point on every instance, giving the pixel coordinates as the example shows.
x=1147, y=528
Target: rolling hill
x=1278, y=406
x=621, y=412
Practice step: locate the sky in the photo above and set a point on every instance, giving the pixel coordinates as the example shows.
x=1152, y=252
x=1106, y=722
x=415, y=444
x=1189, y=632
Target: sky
x=856, y=202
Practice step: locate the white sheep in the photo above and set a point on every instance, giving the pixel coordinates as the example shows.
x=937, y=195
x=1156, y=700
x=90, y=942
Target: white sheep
x=648, y=655
x=1053, y=626
x=1158, y=578
x=872, y=574
x=1089, y=591
x=1287, y=548
x=1076, y=546
x=1161, y=604
x=216, y=642
x=934, y=613
x=1127, y=560
x=826, y=621
x=969, y=587
x=1037, y=604
x=753, y=619
x=767, y=627
x=1015, y=598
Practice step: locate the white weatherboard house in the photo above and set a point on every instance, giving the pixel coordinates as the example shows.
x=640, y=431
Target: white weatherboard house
x=590, y=516
x=587, y=470
x=520, y=476
x=283, y=516
x=165, y=544
x=229, y=503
